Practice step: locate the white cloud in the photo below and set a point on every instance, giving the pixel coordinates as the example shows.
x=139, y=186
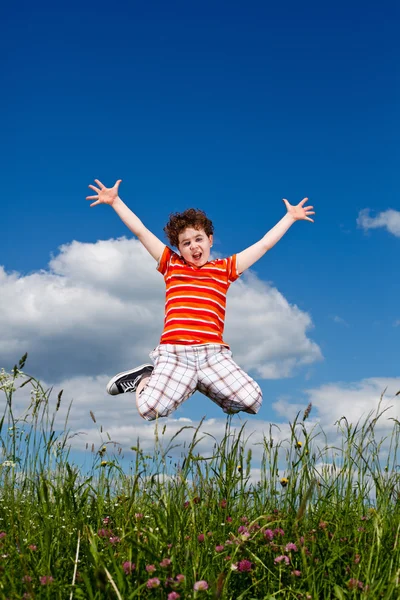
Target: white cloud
x=389, y=219
x=340, y=320
x=98, y=309
x=355, y=401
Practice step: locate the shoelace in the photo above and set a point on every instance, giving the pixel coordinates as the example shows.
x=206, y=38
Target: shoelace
x=129, y=386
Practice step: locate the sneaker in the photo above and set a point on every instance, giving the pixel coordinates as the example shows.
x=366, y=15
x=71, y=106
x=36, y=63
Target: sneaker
x=128, y=380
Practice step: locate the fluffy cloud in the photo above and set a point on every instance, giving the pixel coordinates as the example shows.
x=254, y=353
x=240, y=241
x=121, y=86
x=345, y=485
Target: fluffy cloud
x=98, y=309
x=389, y=219
x=355, y=401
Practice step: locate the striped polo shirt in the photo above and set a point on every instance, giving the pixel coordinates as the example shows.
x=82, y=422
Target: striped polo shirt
x=195, y=298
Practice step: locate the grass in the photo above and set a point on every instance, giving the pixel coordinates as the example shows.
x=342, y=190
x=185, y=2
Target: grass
x=322, y=522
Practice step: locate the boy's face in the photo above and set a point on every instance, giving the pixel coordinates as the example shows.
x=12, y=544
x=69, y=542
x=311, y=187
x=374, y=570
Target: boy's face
x=194, y=246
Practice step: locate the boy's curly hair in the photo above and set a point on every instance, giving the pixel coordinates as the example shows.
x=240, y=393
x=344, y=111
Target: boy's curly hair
x=192, y=217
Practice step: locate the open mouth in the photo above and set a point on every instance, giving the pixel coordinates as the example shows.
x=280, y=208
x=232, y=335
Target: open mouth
x=196, y=256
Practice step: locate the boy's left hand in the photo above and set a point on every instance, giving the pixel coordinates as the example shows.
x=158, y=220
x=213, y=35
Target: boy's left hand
x=300, y=212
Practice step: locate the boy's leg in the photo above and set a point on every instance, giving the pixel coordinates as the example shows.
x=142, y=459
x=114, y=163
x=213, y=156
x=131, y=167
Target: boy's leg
x=224, y=382
x=173, y=380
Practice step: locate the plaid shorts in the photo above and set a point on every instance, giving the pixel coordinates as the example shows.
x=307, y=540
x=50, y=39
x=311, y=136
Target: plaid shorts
x=180, y=370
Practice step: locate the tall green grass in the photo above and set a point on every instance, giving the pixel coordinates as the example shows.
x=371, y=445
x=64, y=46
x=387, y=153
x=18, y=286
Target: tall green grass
x=322, y=521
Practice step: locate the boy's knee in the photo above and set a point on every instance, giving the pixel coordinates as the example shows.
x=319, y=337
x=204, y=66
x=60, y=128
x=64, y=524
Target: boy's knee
x=149, y=413
x=253, y=401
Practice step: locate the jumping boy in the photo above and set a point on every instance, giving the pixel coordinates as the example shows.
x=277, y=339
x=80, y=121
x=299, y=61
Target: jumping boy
x=192, y=354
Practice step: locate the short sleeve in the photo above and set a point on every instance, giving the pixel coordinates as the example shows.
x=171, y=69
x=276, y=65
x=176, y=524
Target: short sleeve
x=163, y=263
x=232, y=268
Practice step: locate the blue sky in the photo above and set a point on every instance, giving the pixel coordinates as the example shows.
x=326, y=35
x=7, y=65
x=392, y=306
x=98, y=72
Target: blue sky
x=228, y=107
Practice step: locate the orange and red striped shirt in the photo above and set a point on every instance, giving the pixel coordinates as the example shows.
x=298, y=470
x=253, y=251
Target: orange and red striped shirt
x=195, y=298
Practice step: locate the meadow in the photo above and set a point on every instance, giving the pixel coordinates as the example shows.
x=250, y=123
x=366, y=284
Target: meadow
x=322, y=520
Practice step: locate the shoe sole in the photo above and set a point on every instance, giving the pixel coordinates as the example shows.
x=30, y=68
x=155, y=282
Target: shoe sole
x=122, y=374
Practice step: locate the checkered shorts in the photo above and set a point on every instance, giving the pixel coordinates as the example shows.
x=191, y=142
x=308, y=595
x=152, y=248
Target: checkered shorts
x=180, y=370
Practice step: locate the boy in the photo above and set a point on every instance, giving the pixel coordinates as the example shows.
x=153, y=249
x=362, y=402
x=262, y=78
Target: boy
x=192, y=354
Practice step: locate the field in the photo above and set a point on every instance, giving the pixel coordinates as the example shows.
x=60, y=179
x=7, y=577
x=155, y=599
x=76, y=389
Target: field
x=322, y=521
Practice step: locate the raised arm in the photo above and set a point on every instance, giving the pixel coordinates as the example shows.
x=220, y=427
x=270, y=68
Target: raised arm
x=110, y=196
x=253, y=253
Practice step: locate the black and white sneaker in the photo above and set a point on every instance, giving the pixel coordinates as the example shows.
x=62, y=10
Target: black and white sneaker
x=128, y=380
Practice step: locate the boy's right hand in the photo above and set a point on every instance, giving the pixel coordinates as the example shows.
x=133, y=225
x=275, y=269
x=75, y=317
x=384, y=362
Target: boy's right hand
x=104, y=195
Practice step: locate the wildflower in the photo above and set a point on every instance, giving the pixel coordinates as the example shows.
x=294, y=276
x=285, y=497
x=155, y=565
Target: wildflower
x=354, y=584
x=244, y=519
x=138, y=515
x=46, y=580
x=201, y=537
x=299, y=444
x=114, y=539
x=180, y=578
x=2, y=534
x=322, y=525
x=104, y=463
x=165, y=562
x=279, y=559
x=223, y=503
x=269, y=534
x=26, y=579
x=153, y=582
x=209, y=533
x=32, y=547
x=357, y=559
x=173, y=596
x=242, y=529
x=150, y=568
x=229, y=519
x=244, y=565
x=219, y=548
x=128, y=567
x=279, y=531
x=290, y=546
x=104, y=533
x=284, y=481
x=200, y=585
x=239, y=468
x=296, y=573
